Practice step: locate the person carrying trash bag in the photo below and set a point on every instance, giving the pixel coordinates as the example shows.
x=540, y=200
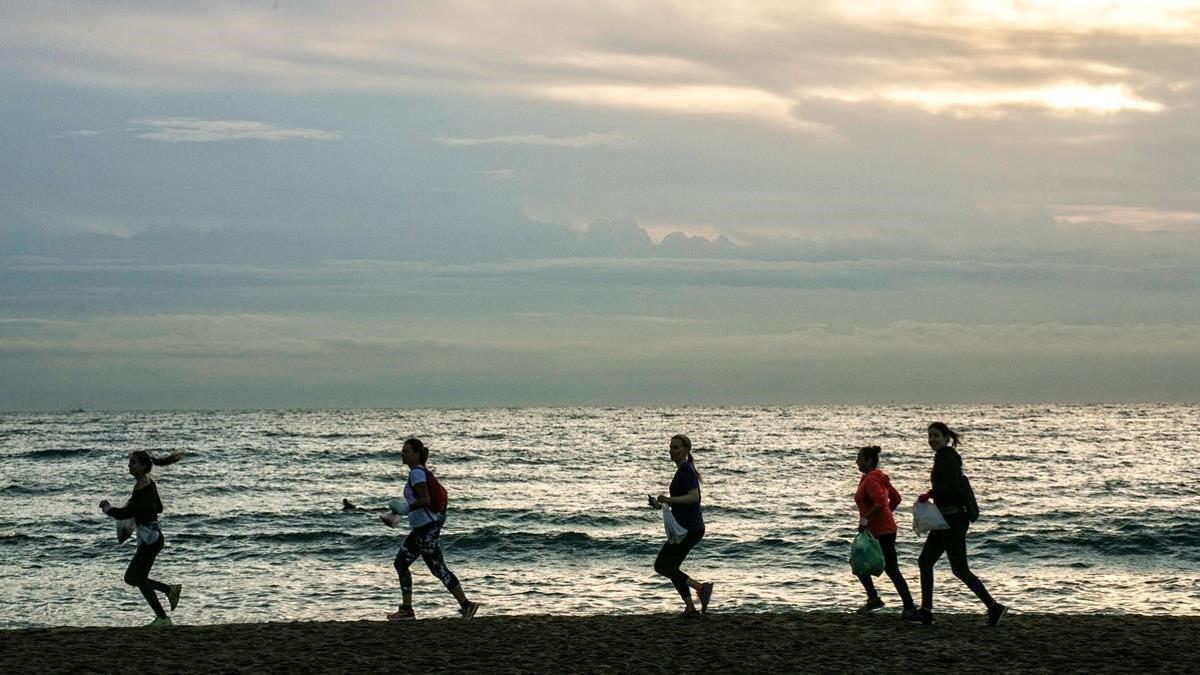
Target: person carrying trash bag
x=684, y=504
x=876, y=498
x=952, y=494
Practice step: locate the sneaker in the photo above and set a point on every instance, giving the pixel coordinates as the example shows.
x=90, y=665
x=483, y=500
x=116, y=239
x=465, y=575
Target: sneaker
x=872, y=605
x=161, y=622
x=921, y=616
x=995, y=613
x=405, y=614
x=173, y=595
x=705, y=594
x=908, y=612
x=468, y=612
x=692, y=613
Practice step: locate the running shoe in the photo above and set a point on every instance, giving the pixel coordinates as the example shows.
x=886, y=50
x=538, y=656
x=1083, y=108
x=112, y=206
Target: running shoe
x=871, y=605
x=405, y=614
x=921, y=616
x=995, y=613
x=705, y=594
x=173, y=595
x=468, y=612
x=161, y=622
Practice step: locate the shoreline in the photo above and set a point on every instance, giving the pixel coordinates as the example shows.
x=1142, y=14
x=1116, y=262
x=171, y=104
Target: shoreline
x=813, y=642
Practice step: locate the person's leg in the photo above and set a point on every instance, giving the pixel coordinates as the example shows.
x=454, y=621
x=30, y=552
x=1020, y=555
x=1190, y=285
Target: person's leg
x=891, y=565
x=868, y=585
x=138, y=574
x=667, y=564
x=935, y=546
x=408, y=552
x=431, y=553
x=956, y=551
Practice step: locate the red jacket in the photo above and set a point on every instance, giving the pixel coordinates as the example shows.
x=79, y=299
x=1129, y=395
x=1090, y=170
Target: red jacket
x=876, y=488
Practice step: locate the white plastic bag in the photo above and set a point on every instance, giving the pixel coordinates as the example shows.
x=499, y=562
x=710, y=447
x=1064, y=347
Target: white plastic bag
x=125, y=529
x=675, y=531
x=928, y=517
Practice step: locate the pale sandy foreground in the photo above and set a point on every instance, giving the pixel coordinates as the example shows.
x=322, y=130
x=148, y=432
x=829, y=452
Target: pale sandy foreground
x=740, y=643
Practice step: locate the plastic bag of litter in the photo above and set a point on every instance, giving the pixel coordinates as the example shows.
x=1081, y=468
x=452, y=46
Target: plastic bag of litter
x=927, y=517
x=125, y=529
x=675, y=531
x=866, y=556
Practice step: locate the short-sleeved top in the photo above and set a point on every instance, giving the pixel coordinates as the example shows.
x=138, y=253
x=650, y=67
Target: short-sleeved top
x=416, y=517
x=686, y=480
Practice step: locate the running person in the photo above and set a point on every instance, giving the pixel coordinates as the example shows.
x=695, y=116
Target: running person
x=144, y=506
x=684, y=499
x=422, y=541
x=876, y=499
x=952, y=496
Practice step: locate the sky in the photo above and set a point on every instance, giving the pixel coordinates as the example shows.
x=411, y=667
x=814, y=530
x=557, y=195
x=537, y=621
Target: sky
x=302, y=204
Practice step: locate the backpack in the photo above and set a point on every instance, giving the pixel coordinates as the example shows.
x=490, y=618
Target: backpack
x=971, y=506
x=437, y=493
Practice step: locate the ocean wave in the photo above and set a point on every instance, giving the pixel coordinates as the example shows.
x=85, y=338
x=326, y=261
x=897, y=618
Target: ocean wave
x=59, y=453
x=1181, y=540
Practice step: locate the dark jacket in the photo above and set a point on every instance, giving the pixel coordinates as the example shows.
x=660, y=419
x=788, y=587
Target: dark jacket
x=949, y=485
x=144, y=506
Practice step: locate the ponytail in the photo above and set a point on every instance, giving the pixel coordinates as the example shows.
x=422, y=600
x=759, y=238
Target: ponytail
x=687, y=445
x=150, y=461
x=416, y=444
x=947, y=432
x=871, y=452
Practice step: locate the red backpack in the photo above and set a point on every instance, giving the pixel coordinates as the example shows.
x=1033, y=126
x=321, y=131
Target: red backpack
x=437, y=493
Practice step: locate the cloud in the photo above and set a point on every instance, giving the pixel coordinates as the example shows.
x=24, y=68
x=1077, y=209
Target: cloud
x=195, y=130
x=756, y=62
x=78, y=133
x=693, y=100
x=1141, y=219
x=590, y=140
x=498, y=174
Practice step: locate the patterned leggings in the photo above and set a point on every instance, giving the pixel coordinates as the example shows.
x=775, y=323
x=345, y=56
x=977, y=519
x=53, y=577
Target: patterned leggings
x=423, y=542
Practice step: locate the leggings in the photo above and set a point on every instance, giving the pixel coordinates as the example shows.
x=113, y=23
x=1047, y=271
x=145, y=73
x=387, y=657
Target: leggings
x=423, y=542
x=952, y=542
x=887, y=542
x=671, y=557
x=138, y=575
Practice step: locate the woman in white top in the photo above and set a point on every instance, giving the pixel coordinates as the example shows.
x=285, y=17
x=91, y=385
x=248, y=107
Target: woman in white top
x=426, y=520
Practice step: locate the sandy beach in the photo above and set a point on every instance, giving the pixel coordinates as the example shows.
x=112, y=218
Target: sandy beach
x=719, y=642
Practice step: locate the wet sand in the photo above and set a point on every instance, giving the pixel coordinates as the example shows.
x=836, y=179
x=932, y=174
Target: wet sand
x=742, y=643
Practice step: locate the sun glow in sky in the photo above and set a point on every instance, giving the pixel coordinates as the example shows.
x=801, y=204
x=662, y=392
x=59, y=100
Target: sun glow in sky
x=222, y=203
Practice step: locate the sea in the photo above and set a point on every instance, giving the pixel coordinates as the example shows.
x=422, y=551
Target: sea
x=1084, y=509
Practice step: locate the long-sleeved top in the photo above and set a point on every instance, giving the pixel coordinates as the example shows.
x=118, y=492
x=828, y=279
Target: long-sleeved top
x=143, y=506
x=876, y=488
x=946, y=478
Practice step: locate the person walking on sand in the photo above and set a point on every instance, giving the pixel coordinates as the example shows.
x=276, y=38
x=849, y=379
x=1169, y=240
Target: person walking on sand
x=952, y=494
x=684, y=499
x=143, y=507
x=424, y=504
x=876, y=499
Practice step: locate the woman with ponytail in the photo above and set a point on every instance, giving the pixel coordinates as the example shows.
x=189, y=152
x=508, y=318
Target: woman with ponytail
x=951, y=493
x=684, y=499
x=143, y=507
x=424, y=505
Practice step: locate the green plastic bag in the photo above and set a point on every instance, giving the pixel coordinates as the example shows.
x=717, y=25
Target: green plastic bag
x=866, y=557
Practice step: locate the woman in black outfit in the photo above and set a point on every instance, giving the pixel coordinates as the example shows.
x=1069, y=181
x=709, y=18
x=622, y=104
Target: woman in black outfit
x=953, y=497
x=144, y=506
x=684, y=499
